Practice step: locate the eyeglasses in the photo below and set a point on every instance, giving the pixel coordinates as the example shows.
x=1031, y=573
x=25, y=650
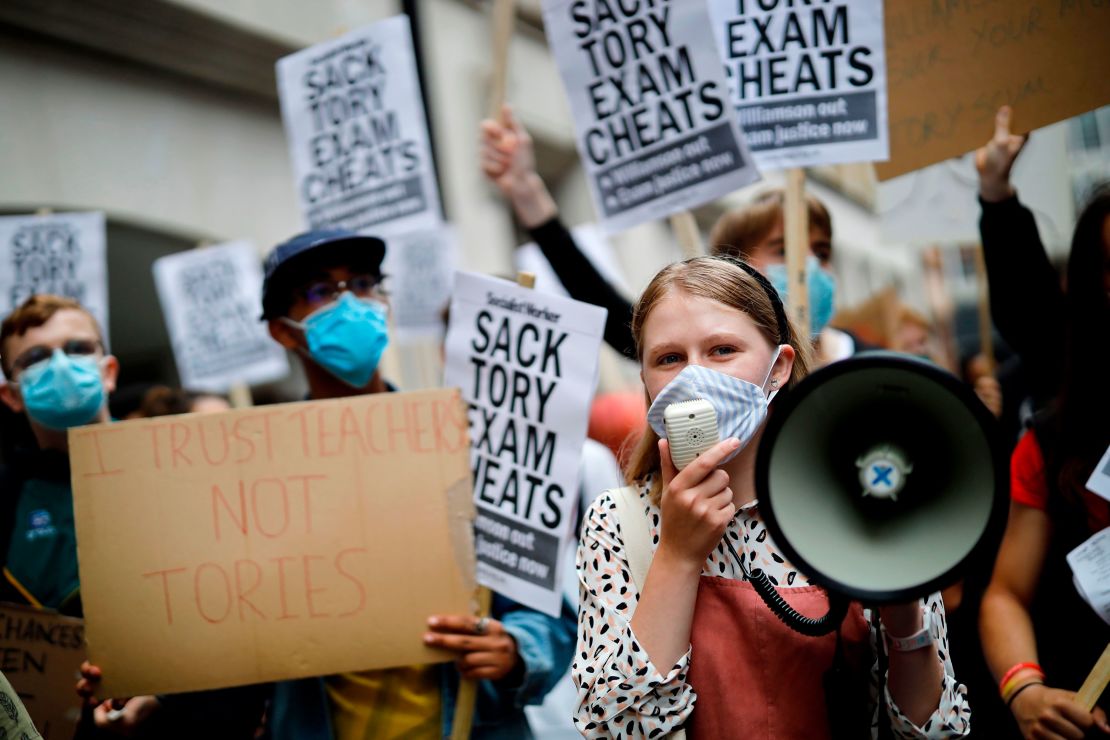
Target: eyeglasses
x=319, y=292
x=41, y=353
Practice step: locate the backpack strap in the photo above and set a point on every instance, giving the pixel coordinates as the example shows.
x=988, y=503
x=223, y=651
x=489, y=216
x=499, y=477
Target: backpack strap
x=635, y=532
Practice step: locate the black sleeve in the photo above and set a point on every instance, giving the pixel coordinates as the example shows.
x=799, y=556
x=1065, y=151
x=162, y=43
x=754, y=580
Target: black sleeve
x=584, y=283
x=222, y=714
x=1027, y=302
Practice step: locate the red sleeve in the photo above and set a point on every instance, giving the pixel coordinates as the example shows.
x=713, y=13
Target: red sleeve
x=1027, y=483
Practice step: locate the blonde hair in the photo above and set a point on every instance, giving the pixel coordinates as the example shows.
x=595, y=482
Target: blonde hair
x=727, y=281
x=737, y=232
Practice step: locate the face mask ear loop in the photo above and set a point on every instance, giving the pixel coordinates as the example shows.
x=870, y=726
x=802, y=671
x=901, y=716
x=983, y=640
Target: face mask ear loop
x=767, y=377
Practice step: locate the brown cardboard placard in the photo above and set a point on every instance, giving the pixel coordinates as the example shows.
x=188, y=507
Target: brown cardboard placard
x=274, y=542
x=41, y=654
x=952, y=64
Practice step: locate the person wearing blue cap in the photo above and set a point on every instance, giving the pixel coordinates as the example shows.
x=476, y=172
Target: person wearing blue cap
x=324, y=299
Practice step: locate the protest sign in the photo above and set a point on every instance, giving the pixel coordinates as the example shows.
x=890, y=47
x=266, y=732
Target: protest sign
x=593, y=244
x=63, y=253
x=272, y=543
x=655, y=129
x=527, y=364
x=42, y=653
x=808, y=80
x=940, y=202
x=358, y=137
x=210, y=300
x=420, y=267
x=952, y=64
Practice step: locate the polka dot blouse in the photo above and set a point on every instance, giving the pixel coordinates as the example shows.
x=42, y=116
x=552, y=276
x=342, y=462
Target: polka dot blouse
x=622, y=694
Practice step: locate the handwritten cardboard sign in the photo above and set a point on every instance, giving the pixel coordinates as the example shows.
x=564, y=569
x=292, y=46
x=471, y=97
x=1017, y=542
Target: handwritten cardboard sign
x=358, y=137
x=952, y=64
x=527, y=364
x=41, y=654
x=209, y=299
x=808, y=79
x=272, y=543
x=655, y=129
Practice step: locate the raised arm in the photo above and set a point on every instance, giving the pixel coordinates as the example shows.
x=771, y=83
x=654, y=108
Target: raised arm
x=1027, y=303
x=509, y=162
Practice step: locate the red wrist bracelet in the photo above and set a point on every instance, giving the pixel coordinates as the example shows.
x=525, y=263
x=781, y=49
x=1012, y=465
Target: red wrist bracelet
x=1015, y=670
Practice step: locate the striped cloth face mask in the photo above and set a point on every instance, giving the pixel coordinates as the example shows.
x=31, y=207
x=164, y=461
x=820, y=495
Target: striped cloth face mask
x=741, y=406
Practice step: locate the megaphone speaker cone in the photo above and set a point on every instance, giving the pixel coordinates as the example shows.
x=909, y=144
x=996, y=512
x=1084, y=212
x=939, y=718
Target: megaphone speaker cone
x=880, y=477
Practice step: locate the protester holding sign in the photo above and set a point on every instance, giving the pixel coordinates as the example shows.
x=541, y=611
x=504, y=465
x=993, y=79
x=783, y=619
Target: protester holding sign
x=60, y=377
x=650, y=646
x=1039, y=637
x=754, y=234
x=323, y=299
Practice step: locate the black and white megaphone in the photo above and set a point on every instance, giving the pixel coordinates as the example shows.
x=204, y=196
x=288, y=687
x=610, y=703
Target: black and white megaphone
x=880, y=477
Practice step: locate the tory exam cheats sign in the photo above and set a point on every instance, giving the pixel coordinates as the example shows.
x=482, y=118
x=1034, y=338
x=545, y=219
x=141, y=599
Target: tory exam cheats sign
x=358, y=137
x=655, y=129
x=272, y=543
x=209, y=299
x=527, y=365
x=63, y=254
x=808, y=79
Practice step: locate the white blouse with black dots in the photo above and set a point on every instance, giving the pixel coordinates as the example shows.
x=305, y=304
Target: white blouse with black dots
x=622, y=694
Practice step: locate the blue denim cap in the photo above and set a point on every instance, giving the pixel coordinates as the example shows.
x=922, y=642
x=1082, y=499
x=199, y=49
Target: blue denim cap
x=304, y=249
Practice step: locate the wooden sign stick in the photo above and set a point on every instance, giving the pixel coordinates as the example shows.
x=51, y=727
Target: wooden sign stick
x=468, y=689
x=796, y=233
x=1095, y=684
x=504, y=12
x=686, y=231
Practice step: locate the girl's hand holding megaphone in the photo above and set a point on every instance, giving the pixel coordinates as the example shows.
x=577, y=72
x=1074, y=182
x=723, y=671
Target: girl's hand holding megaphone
x=697, y=503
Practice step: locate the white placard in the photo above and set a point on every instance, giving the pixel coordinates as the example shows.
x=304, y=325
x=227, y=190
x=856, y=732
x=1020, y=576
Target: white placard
x=211, y=303
x=421, y=271
x=808, y=79
x=527, y=365
x=1090, y=567
x=62, y=253
x=358, y=137
x=940, y=203
x=655, y=129
x=593, y=244
x=1099, y=482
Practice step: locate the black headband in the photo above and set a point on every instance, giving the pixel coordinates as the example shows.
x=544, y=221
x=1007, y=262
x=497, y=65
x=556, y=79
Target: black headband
x=776, y=301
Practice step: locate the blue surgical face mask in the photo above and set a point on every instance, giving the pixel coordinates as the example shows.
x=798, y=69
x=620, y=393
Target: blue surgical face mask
x=347, y=338
x=62, y=392
x=741, y=405
x=822, y=291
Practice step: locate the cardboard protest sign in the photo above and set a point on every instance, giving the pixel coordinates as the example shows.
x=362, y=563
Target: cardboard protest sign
x=41, y=654
x=272, y=543
x=421, y=268
x=527, y=364
x=808, y=79
x=655, y=130
x=63, y=254
x=358, y=137
x=952, y=64
x=210, y=301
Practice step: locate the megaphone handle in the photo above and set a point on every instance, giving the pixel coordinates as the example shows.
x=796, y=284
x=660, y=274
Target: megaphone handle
x=791, y=617
x=1095, y=684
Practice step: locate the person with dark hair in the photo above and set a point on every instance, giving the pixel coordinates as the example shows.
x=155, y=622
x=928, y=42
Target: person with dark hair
x=754, y=233
x=672, y=634
x=1039, y=636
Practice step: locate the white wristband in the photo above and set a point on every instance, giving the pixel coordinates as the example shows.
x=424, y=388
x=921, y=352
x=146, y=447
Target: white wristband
x=923, y=638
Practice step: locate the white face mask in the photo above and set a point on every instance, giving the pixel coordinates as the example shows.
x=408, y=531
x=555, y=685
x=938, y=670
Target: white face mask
x=741, y=406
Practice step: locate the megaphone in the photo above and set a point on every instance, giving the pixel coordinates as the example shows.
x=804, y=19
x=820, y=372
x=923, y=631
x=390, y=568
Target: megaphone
x=881, y=478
